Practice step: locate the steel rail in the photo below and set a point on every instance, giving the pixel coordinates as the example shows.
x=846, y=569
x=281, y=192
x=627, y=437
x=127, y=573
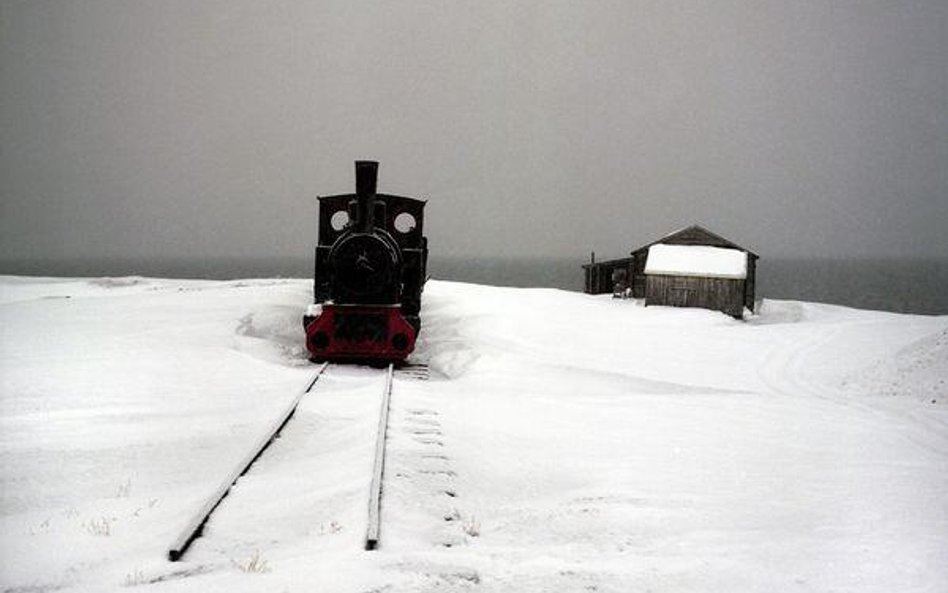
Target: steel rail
x=375, y=490
x=196, y=525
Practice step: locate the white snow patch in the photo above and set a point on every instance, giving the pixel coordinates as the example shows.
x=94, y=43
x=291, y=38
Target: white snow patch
x=696, y=260
x=919, y=370
x=564, y=442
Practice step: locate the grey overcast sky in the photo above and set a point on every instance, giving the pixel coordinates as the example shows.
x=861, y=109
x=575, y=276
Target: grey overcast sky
x=185, y=128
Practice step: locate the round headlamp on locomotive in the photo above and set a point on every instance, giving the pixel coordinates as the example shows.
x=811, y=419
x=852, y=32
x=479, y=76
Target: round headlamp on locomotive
x=371, y=260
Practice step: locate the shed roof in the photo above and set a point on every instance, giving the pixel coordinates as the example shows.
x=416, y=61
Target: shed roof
x=610, y=263
x=696, y=235
x=696, y=260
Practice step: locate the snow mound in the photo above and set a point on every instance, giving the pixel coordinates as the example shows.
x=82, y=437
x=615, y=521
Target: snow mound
x=123, y=282
x=919, y=370
x=274, y=334
x=774, y=312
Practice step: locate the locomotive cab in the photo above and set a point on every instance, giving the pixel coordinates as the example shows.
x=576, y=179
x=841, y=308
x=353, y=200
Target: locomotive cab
x=369, y=272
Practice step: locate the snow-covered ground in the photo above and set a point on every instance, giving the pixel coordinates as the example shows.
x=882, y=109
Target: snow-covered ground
x=563, y=443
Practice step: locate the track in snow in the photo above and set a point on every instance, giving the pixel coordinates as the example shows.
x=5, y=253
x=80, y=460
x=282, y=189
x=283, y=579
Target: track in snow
x=195, y=526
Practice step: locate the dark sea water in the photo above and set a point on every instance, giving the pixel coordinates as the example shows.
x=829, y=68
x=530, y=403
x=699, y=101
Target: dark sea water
x=905, y=286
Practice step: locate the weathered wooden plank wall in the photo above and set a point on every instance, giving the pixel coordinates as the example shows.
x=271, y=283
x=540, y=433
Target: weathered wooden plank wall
x=720, y=294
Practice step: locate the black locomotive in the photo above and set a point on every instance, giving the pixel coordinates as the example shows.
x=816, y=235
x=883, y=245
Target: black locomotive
x=370, y=270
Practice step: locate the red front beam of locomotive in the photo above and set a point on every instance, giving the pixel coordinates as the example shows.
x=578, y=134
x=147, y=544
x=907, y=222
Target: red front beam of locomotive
x=358, y=332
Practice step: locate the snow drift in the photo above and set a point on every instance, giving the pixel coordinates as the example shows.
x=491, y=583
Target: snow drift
x=563, y=443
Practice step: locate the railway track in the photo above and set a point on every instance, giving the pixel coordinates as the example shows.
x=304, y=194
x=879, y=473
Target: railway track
x=195, y=526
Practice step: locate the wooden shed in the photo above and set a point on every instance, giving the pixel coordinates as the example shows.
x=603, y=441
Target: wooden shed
x=694, y=267
x=608, y=276
x=685, y=277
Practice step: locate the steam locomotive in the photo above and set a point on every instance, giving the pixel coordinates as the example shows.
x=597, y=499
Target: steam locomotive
x=370, y=269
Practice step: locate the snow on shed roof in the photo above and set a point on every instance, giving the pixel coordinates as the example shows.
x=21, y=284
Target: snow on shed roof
x=696, y=260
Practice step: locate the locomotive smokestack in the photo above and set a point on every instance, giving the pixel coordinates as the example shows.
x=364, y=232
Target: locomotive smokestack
x=366, y=180
x=367, y=173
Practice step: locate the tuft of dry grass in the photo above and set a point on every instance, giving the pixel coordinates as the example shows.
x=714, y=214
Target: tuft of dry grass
x=42, y=528
x=136, y=578
x=101, y=527
x=472, y=527
x=124, y=490
x=255, y=564
x=333, y=528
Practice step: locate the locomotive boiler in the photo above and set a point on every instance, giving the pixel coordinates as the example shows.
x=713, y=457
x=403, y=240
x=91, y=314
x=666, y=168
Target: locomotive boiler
x=370, y=268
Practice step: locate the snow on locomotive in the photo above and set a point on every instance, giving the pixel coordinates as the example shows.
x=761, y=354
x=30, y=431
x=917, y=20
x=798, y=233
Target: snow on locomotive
x=369, y=274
